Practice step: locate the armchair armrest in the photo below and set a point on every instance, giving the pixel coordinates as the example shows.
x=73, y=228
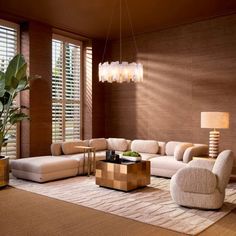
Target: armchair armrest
x=198, y=150
x=202, y=164
x=196, y=180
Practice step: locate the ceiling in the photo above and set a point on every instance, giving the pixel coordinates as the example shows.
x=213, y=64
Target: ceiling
x=91, y=18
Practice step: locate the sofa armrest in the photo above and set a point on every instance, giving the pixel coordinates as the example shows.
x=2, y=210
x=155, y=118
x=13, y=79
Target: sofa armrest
x=196, y=180
x=56, y=149
x=161, y=149
x=199, y=150
x=205, y=164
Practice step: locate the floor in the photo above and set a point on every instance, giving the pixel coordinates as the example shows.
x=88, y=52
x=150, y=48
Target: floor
x=24, y=213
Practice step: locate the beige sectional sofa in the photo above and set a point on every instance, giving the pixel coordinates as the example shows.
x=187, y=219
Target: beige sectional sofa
x=166, y=158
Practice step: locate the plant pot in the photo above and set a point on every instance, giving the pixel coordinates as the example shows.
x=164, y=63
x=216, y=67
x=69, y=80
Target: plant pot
x=4, y=171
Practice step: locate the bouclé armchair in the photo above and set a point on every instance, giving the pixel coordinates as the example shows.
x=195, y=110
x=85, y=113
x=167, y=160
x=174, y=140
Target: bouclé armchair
x=202, y=184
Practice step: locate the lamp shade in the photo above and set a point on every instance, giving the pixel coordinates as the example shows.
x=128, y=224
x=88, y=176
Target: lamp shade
x=215, y=120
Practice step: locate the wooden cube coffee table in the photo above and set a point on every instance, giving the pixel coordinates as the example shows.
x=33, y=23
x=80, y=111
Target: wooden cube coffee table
x=124, y=176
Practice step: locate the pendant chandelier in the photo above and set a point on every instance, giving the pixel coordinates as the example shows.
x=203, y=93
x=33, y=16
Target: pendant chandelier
x=120, y=71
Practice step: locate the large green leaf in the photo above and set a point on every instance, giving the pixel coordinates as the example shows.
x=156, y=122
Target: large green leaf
x=12, y=110
x=10, y=76
x=17, y=117
x=15, y=64
x=21, y=73
x=1, y=106
x=22, y=84
x=2, y=87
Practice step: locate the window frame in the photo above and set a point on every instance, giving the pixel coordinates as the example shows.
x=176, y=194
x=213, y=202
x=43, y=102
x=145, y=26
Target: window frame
x=79, y=43
x=17, y=28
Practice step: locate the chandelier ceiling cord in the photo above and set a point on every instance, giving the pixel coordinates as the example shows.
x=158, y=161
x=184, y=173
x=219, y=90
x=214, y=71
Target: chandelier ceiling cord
x=119, y=71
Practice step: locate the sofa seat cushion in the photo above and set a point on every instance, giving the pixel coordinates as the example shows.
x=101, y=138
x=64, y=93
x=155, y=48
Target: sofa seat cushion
x=148, y=156
x=145, y=146
x=101, y=155
x=44, y=164
x=83, y=162
x=45, y=168
x=165, y=166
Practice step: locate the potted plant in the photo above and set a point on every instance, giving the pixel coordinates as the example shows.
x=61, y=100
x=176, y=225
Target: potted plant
x=12, y=82
x=131, y=156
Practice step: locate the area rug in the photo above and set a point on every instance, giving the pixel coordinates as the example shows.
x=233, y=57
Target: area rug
x=151, y=205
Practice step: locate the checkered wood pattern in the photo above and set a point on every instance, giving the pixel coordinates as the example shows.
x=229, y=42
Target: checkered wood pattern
x=124, y=177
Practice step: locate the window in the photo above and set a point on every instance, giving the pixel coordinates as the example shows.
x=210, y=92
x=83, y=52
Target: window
x=66, y=74
x=9, y=46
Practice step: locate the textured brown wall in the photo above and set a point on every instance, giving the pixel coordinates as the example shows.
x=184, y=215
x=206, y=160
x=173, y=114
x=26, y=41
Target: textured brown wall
x=87, y=92
x=187, y=69
x=98, y=102
x=36, y=134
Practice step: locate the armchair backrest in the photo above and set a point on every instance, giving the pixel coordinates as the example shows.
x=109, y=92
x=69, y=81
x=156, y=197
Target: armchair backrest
x=222, y=168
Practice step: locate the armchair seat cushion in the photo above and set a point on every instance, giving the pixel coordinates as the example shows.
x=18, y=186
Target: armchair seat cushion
x=196, y=180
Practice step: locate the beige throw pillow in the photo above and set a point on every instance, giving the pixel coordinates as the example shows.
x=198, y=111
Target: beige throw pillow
x=180, y=149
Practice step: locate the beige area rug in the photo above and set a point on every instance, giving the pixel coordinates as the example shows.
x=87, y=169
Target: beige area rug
x=152, y=205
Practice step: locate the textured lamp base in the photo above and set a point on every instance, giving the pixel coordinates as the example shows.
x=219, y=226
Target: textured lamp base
x=214, y=143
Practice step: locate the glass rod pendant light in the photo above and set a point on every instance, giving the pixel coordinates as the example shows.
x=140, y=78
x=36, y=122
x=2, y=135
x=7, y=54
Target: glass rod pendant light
x=120, y=71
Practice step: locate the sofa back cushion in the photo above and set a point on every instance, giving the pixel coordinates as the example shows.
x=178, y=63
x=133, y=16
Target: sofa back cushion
x=117, y=144
x=72, y=147
x=56, y=149
x=180, y=149
x=99, y=144
x=145, y=146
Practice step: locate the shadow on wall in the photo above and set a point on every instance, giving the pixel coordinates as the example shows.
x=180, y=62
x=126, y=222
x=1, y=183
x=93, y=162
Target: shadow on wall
x=187, y=70
x=158, y=108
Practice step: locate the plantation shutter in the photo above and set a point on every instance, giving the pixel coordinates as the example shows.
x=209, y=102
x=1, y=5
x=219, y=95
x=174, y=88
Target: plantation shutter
x=8, y=49
x=57, y=91
x=66, y=90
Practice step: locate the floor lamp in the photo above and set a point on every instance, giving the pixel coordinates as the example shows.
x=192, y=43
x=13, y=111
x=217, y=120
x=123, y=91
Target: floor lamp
x=214, y=120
